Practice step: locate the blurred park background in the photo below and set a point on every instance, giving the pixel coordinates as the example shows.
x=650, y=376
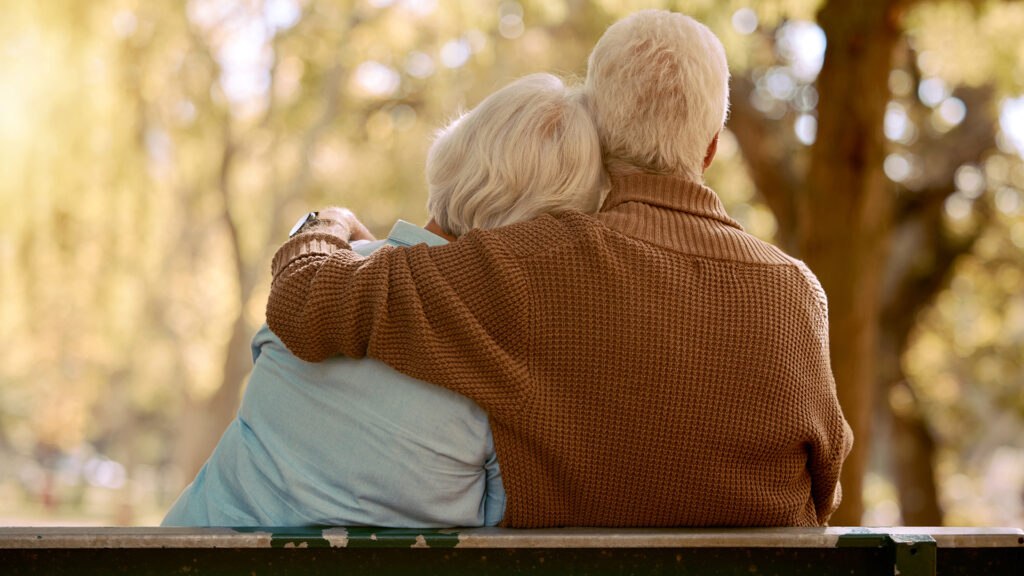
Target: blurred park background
x=154, y=153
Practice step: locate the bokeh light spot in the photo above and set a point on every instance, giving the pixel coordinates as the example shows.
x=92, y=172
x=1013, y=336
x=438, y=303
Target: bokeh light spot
x=744, y=21
x=125, y=23
x=281, y=14
x=1011, y=120
x=780, y=83
x=932, y=91
x=806, y=99
x=806, y=128
x=958, y=206
x=969, y=180
x=929, y=63
x=376, y=78
x=511, y=26
x=403, y=117
x=896, y=167
x=1008, y=201
x=477, y=40
x=419, y=65
x=896, y=124
x=952, y=111
x=802, y=44
x=455, y=53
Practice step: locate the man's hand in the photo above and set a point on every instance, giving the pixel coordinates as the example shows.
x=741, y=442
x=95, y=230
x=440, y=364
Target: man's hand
x=340, y=222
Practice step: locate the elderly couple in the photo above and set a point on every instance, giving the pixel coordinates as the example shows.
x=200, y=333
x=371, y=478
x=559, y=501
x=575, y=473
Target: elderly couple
x=580, y=310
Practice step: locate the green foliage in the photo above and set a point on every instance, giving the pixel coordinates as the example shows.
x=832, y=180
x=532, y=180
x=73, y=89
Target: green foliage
x=971, y=43
x=966, y=359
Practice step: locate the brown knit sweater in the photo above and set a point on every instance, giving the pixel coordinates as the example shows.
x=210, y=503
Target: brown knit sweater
x=651, y=366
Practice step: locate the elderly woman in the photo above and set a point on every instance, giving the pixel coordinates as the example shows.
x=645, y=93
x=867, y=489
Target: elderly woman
x=350, y=442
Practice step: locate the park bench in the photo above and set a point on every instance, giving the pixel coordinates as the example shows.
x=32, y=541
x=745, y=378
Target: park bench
x=225, y=551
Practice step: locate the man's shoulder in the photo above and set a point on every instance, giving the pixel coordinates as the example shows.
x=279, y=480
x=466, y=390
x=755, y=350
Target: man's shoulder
x=762, y=253
x=765, y=253
x=817, y=292
x=750, y=248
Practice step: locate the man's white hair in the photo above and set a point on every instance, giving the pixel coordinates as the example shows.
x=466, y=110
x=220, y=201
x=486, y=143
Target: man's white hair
x=528, y=149
x=658, y=86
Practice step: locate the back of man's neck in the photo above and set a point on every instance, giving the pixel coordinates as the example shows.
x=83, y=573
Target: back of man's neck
x=620, y=168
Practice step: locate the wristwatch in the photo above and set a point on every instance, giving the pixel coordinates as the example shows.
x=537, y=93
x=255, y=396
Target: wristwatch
x=307, y=220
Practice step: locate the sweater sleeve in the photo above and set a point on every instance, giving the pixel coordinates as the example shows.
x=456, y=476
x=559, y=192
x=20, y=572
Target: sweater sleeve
x=828, y=452
x=832, y=438
x=453, y=315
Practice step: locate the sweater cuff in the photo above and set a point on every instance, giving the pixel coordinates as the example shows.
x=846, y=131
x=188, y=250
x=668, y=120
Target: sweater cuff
x=306, y=244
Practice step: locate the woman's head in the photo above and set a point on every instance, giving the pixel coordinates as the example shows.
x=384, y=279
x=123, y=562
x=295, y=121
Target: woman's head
x=530, y=148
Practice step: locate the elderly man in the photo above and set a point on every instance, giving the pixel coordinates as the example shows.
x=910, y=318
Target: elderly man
x=652, y=365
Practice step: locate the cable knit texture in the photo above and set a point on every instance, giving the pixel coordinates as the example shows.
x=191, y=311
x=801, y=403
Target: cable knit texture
x=651, y=366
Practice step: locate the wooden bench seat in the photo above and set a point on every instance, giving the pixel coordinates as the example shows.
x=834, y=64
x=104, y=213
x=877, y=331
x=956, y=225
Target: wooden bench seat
x=817, y=551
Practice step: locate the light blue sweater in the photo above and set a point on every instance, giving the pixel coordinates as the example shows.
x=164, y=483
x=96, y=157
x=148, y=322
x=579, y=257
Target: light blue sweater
x=347, y=442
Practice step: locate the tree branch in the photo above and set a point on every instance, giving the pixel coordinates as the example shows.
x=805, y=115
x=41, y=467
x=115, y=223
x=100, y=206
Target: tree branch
x=924, y=252
x=769, y=166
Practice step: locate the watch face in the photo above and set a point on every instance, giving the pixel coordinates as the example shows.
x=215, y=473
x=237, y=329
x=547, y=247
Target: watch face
x=309, y=217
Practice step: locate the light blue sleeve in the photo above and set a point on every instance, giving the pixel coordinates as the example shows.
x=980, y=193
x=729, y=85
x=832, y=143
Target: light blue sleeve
x=494, y=505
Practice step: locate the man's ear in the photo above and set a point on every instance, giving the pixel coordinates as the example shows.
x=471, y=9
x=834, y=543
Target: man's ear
x=712, y=149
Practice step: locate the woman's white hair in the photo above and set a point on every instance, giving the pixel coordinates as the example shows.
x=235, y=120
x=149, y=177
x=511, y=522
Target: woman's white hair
x=530, y=148
x=658, y=87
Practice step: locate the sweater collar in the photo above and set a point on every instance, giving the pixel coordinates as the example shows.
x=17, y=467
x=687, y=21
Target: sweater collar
x=671, y=192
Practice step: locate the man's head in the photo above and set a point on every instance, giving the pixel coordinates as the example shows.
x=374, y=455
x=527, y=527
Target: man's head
x=530, y=148
x=658, y=87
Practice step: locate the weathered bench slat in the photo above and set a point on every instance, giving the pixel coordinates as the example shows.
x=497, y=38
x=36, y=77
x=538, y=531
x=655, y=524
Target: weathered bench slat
x=246, y=551
x=76, y=537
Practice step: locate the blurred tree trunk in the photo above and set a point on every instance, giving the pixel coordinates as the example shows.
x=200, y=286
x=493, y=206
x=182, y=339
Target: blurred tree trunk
x=843, y=216
x=209, y=418
x=845, y=210
x=919, y=268
x=217, y=412
x=205, y=421
x=910, y=446
x=913, y=454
